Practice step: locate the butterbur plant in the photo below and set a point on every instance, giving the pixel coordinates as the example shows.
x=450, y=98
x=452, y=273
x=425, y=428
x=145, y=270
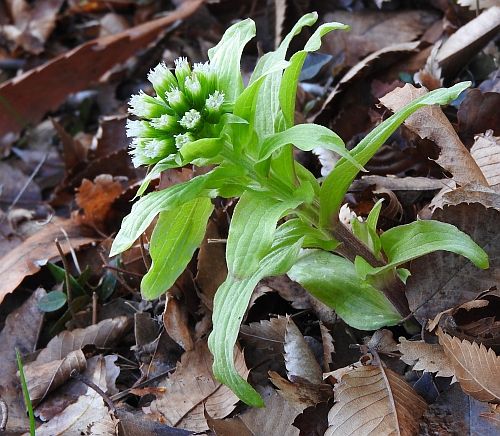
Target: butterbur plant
x=285, y=221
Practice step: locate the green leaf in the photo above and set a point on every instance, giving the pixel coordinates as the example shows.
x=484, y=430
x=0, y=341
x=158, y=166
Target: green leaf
x=404, y=243
x=26, y=394
x=334, y=281
x=338, y=181
x=252, y=231
x=268, y=103
x=288, y=89
x=145, y=210
x=60, y=276
x=305, y=137
x=313, y=238
x=177, y=234
x=230, y=304
x=205, y=148
x=52, y=301
x=225, y=57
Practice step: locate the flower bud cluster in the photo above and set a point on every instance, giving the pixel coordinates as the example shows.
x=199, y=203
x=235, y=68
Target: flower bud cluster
x=187, y=106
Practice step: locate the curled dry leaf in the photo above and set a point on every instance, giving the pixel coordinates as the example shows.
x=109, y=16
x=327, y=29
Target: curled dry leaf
x=175, y=320
x=101, y=335
x=476, y=367
x=43, y=378
x=301, y=394
x=460, y=47
x=266, y=335
x=372, y=400
x=382, y=341
x=426, y=357
x=300, y=362
x=88, y=416
x=328, y=346
x=486, y=152
x=192, y=389
x=27, y=258
x=431, y=123
x=96, y=198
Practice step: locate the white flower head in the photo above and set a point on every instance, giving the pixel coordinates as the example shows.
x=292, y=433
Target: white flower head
x=215, y=101
x=191, y=119
x=135, y=128
x=193, y=85
x=153, y=148
x=174, y=96
x=181, y=63
x=165, y=122
x=202, y=67
x=182, y=139
x=160, y=76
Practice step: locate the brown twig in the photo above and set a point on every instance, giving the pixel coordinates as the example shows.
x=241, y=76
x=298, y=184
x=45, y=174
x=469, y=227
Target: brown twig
x=120, y=270
x=94, y=307
x=145, y=259
x=74, y=374
x=66, y=277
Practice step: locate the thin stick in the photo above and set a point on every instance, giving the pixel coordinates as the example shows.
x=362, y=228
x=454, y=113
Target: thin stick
x=120, y=270
x=4, y=410
x=147, y=264
x=30, y=179
x=124, y=393
x=72, y=251
x=74, y=374
x=94, y=307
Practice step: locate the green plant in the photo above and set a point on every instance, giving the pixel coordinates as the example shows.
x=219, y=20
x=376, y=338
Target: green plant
x=26, y=394
x=206, y=116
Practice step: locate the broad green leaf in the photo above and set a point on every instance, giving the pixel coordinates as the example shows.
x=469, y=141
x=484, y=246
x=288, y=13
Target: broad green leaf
x=60, y=276
x=163, y=165
x=205, y=148
x=178, y=233
x=305, y=137
x=404, y=243
x=145, y=210
x=230, y=304
x=252, y=231
x=288, y=89
x=338, y=181
x=372, y=218
x=334, y=281
x=225, y=57
x=313, y=238
x=268, y=103
x=52, y=301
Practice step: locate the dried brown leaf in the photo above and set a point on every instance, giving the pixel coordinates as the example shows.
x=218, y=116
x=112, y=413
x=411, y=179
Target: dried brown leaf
x=27, y=258
x=44, y=88
x=45, y=377
x=443, y=280
x=21, y=330
x=96, y=198
x=175, y=320
x=192, y=389
x=486, y=152
x=301, y=394
x=300, y=361
x=477, y=368
x=275, y=419
x=228, y=427
x=101, y=335
x=88, y=416
x=460, y=47
x=478, y=113
x=328, y=346
x=374, y=401
x=266, y=335
x=431, y=123
x=382, y=341
x=426, y=357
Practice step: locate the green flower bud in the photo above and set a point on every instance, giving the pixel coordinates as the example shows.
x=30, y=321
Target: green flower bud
x=182, y=70
x=166, y=122
x=206, y=76
x=145, y=106
x=147, y=151
x=194, y=91
x=162, y=79
x=177, y=100
x=191, y=120
x=140, y=129
x=183, y=139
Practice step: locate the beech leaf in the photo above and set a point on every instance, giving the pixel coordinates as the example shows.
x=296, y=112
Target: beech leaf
x=372, y=400
x=477, y=368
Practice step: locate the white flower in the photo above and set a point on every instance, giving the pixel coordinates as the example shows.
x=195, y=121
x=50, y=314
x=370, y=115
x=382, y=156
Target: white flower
x=174, y=96
x=152, y=149
x=182, y=139
x=191, y=119
x=193, y=85
x=181, y=63
x=202, y=67
x=215, y=100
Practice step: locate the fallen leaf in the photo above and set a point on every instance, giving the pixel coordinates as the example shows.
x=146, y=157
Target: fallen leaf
x=478, y=113
x=75, y=70
x=470, y=193
x=21, y=331
x=477, y=368
x=426, y=357
x=101, y=335
x=228, y=427
x=313, y=421
x=266, y=335
x=45, y=377
x=11, y=181
x=474, y=5
x=486, y=153
x=137, y=423
x=300, y=362
x=382, y=341
x=300, y=394
x=430, y=76
x=175, y=320
x=275, y=419
x=96, y=198
x=27, y=258
x=191, y=389
x=89, y=415
x=442, y=280
x=372, y=400
x=328, y=346
x=431, y=123
x=460, y=47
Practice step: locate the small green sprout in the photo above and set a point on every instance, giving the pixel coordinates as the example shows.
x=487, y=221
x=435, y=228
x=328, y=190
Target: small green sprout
x=285, y=222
